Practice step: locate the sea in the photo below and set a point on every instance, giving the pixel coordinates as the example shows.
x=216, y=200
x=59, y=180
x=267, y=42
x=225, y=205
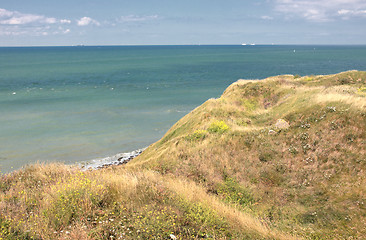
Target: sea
x=77, y=104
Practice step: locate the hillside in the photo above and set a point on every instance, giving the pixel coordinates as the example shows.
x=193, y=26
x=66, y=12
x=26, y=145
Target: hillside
x=279, y=158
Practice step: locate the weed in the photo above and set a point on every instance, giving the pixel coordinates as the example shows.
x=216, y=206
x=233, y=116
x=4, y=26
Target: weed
x=219, y=127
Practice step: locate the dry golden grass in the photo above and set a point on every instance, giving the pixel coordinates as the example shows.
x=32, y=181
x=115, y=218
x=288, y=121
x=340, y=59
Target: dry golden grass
x=241, y=220
x=352, y=100
x=221, y=172
x=65, y=202
x=323, y=141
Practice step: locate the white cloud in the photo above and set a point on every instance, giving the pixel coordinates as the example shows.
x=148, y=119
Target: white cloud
x=321, y=10
x=5, y=13
x=66, y=21
x=266, y=18
x=62, y=30
x=136, y=18
x=21, y=20
x=85, y=21
x=51, y=20
x=17, y=18
x=16, y=23
x=346, y=13
x=17, y=30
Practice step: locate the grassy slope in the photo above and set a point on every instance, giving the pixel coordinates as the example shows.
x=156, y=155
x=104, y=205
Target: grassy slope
x=224, y=171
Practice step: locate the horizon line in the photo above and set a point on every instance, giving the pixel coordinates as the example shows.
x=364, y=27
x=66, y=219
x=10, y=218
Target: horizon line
x=138, y=45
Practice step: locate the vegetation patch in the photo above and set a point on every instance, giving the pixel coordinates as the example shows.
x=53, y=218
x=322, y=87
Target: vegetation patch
x=219, y=127
x=361, y=91
x=249, y=104
x=197, y=135
x=234, y=193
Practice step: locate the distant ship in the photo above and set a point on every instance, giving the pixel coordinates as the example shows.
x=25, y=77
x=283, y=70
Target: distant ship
x=243, y=44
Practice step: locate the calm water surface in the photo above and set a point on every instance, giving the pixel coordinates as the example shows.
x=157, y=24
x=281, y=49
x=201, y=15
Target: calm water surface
x=72, y=104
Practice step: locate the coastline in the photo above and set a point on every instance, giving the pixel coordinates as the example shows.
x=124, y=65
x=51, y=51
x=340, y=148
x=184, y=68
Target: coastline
x=214, y=164
x=49, y=119
x=114, y=160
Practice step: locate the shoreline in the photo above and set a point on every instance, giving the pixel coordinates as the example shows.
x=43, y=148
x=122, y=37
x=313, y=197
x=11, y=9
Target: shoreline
x=114, y=160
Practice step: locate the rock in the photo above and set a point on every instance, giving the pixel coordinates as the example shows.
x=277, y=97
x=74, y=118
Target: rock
x=172, y=237
x=282, y=124
x=271, y=132
x=118, y=159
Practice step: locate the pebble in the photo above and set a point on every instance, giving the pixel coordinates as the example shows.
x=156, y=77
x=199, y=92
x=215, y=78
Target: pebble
x=118, y=159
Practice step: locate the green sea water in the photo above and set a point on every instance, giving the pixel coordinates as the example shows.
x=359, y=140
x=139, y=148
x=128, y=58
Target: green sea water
x=72, y=104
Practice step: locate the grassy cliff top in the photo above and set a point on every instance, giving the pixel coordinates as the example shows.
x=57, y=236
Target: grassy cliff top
x=279, y=158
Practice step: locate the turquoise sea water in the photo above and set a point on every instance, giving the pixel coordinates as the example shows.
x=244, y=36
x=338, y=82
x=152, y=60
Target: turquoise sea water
x=72, y=104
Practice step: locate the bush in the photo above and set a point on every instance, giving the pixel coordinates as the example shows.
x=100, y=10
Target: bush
x=218, y=127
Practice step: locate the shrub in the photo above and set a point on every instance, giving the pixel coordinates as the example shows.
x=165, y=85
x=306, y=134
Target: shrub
x=218, y=127
x=343, y=81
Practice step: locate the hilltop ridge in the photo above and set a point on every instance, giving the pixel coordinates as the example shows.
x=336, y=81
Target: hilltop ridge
x=279, y=158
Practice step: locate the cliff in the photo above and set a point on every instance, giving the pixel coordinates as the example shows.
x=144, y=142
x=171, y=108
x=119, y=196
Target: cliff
x=279, y=158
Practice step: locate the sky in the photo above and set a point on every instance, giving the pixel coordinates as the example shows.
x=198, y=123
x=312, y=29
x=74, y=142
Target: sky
x=172, y=22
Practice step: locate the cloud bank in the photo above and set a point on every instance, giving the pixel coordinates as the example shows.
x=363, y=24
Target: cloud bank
x=321, y=11
x=17, y=18
x=17, y=23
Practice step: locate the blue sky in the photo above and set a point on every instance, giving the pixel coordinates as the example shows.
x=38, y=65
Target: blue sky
x=136, y=22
